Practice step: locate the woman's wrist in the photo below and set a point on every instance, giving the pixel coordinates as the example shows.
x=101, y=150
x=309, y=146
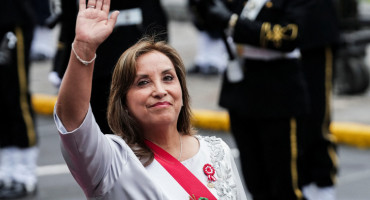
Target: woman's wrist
x=83, y=52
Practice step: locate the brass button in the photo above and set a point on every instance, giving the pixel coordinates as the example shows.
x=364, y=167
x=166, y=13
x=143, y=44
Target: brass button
x=269, y=4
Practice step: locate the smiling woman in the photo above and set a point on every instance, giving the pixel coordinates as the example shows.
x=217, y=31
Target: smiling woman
x=154, y=153
x=148, y=76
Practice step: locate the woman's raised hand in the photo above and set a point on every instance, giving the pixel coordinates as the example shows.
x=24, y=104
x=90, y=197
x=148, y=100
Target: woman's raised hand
x=93, y=26
x=93, y=23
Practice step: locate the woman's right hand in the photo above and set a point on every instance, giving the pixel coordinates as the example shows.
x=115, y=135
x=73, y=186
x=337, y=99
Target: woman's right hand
x=93, y=23
x=92, y=27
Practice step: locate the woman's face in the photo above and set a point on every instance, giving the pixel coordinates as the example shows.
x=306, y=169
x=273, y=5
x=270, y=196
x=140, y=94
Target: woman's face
x=155, y=97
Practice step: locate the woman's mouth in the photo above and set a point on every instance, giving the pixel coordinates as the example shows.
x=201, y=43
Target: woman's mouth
x=161, y=104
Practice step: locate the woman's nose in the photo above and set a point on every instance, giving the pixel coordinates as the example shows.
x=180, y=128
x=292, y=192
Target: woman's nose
x=159, y=90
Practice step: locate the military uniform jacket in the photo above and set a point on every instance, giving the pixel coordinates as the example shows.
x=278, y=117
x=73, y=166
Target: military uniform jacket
x=272, y=87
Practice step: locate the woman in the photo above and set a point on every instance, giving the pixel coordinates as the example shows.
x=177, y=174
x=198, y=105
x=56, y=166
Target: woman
x=153, y=154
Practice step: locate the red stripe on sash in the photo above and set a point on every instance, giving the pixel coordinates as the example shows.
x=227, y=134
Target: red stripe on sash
x=180, y=173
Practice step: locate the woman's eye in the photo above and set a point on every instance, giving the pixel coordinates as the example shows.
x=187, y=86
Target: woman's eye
x=141, y=83
x=168, y=78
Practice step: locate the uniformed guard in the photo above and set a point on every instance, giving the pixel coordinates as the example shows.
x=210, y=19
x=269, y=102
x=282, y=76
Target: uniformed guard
x=18, y=137
x=268, y=103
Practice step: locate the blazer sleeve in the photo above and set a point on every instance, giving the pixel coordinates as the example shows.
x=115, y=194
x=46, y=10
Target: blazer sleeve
x=91, y=155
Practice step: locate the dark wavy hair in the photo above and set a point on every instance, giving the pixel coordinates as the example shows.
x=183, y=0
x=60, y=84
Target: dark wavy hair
x=124, y=125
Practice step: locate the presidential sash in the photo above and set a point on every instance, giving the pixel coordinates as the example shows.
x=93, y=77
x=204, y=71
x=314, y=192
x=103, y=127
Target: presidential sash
x=191, y=184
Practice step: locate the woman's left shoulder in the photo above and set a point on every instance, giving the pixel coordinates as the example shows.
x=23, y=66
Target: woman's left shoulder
x=215, y=145
x=212, y=140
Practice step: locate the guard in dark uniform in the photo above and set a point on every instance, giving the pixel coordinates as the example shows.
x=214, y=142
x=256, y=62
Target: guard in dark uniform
x=320, y=38
x=268, y=101
x=18, y=138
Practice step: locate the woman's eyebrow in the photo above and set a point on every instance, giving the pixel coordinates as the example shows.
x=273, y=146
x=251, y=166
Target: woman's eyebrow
x=142, y=76
x=146, y=75
x=167, y=70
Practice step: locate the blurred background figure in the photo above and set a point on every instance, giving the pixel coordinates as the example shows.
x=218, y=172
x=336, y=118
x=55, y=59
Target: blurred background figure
x=63, y=12
x=319, y=43
x=211, y=56
x=18, y=138
x=43, y=47
x=136, y=18
x=351, y=72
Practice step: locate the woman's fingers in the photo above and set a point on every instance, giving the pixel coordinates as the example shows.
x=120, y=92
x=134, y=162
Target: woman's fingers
x=91, y=4
x=106, y=5
x=82, y=5
x=103, y=5
x=99, y=4
x=93, y=22
x=113, y=19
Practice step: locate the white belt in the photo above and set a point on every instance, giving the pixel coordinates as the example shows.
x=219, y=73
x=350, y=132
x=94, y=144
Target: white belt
x=128, y=17
x=255, y=53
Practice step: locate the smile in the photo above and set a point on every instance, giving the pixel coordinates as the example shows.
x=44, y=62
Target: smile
x=161, y=104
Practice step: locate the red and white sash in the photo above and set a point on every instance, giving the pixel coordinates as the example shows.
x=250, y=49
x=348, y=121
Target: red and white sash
x=191, y=184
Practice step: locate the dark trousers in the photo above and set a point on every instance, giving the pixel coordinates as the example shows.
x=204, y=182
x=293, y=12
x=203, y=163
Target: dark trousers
x=16, y=116
x=319, y=156
x=268, y=152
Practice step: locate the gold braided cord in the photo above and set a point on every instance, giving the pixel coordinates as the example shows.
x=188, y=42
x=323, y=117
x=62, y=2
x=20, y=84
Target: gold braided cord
x=277, y=33
x=294, y=157
x=22, y=77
